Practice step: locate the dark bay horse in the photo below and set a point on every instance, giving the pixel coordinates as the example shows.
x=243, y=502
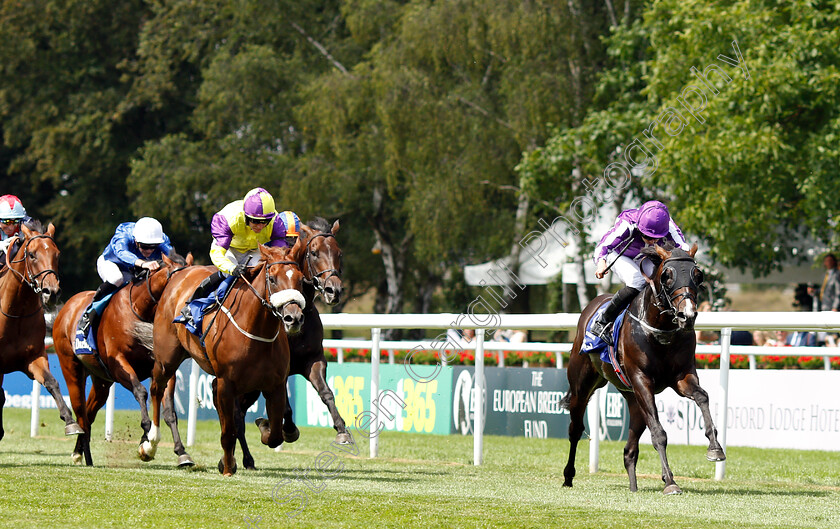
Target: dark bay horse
x=125, y=358
x=655, y=349
x=321, y=264
x=28, y=283
x=245, y=343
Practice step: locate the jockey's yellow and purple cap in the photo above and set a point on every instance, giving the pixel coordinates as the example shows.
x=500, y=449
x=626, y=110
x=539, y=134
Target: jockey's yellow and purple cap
x=259, y=204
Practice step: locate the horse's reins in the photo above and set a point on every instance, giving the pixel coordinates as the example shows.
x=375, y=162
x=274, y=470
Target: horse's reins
x=32, y=281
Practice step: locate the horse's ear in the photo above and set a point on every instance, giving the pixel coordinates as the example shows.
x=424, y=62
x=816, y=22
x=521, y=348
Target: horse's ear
x=51, y=229
x=335, y=227
x=25, y=230
x=265, y=252
x=305, y=231
x=296, y=251
x=189, y=259
x=663, y=253
x=693, y=250
x=166, y=259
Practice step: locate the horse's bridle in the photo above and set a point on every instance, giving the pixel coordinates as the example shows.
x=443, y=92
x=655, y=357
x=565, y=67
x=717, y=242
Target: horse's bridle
x=662, y=298
x=27, y=277
x=276, y=311
x=318, y=282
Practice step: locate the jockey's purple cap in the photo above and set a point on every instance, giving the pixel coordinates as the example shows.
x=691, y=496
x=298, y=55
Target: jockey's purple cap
x=259, y=204
x=654, y=219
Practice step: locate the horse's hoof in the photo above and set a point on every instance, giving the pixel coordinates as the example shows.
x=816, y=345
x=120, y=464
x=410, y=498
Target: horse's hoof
x=291, y=437
x=73, y=429
x=222, y=469
x=343, y=439
x=143, y=455
x=249, y=465
x=185, y=460
x=567, y=484
x=672, y=489
x=715, y=455
x=77, y=458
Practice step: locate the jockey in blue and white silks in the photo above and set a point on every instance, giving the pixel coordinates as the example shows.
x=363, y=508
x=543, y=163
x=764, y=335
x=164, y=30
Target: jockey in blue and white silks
x=133, y=245
x=632, y=231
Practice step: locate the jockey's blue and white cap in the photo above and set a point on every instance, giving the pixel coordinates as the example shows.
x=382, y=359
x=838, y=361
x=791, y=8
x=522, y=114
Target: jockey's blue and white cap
x=654, y=220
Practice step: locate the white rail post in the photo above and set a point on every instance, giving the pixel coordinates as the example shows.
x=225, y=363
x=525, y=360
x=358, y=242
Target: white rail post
x=109, y=413
x=192, y=409
x=501, y=358
x=375, y=335
x=391, y=356
x=593, y=409
x=35, y=420
x=340, y=355
x=723, y=411
x=478, y=400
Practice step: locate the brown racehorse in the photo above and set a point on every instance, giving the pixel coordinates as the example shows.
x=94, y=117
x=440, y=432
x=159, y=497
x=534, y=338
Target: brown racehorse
x=655, y=349
x=245, y=343
x=28, y=283
x=321, y=265
x=125, y=358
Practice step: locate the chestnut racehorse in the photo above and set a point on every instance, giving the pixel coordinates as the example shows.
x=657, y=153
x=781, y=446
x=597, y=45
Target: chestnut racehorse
x=655, y=350
x=321, y=265
x=28, y=283
x=245, y=343
x=125, y=358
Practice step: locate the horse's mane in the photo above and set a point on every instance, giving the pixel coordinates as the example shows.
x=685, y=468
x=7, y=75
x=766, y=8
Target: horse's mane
x=177, y=258
x=35, y=225
x=319, y=224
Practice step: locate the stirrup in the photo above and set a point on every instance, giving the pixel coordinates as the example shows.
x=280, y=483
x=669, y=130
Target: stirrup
x=185, y=312
x=85, y=322
x=603, y=331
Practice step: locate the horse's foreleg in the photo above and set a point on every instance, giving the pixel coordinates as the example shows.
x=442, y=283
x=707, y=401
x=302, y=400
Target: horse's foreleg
x=225, y=404
x=242, y=404
x=647, y=405
x=2, y=403
x=631, y=449
x=39, y=369
x=271, y=430
x=316, y=373
x=690, y=387
x=171, y=418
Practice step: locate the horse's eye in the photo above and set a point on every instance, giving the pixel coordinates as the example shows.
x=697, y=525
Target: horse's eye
x=31, y=256
x=668, y=277
x=314, y=253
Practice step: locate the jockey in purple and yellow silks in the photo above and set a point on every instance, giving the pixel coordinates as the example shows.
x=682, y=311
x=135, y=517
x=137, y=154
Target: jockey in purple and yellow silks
x=634, y=229
x=238, y=230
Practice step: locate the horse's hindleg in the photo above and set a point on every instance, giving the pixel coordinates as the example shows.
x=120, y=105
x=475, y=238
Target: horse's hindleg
x=75, y=376
x=690, y=387
x=2, y=403
x=631, y=449
x=40, y=370
x=98, y=397
x=148, y=448
x=225, y=403
x=647, y=406
x=171, y=418
x=583, y=381
x=290, y=429
x=316, y=372
x=125, y=375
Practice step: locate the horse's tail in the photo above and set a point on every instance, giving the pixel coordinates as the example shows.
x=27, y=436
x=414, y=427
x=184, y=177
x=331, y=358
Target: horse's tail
x=566, y=400
x=142, y=332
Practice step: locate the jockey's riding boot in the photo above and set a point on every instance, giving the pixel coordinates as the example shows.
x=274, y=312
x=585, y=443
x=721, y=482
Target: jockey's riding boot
x=602, y=327
x=90, y=315
x=203, y=290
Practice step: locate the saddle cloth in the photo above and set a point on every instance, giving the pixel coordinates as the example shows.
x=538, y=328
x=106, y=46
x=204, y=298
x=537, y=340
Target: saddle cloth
x=84, y=346
x=199, y=307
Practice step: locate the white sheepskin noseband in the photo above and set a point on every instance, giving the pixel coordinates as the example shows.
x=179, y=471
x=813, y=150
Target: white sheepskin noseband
x=278, y=299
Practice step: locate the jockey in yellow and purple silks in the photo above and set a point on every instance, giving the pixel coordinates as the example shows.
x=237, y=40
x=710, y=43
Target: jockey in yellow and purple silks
x=238, y=230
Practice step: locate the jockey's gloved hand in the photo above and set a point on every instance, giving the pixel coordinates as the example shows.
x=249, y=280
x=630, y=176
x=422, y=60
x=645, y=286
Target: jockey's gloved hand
x=237, y=271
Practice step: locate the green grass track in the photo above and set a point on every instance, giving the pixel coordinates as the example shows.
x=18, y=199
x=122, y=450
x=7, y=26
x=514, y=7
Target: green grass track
x=418, y=481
